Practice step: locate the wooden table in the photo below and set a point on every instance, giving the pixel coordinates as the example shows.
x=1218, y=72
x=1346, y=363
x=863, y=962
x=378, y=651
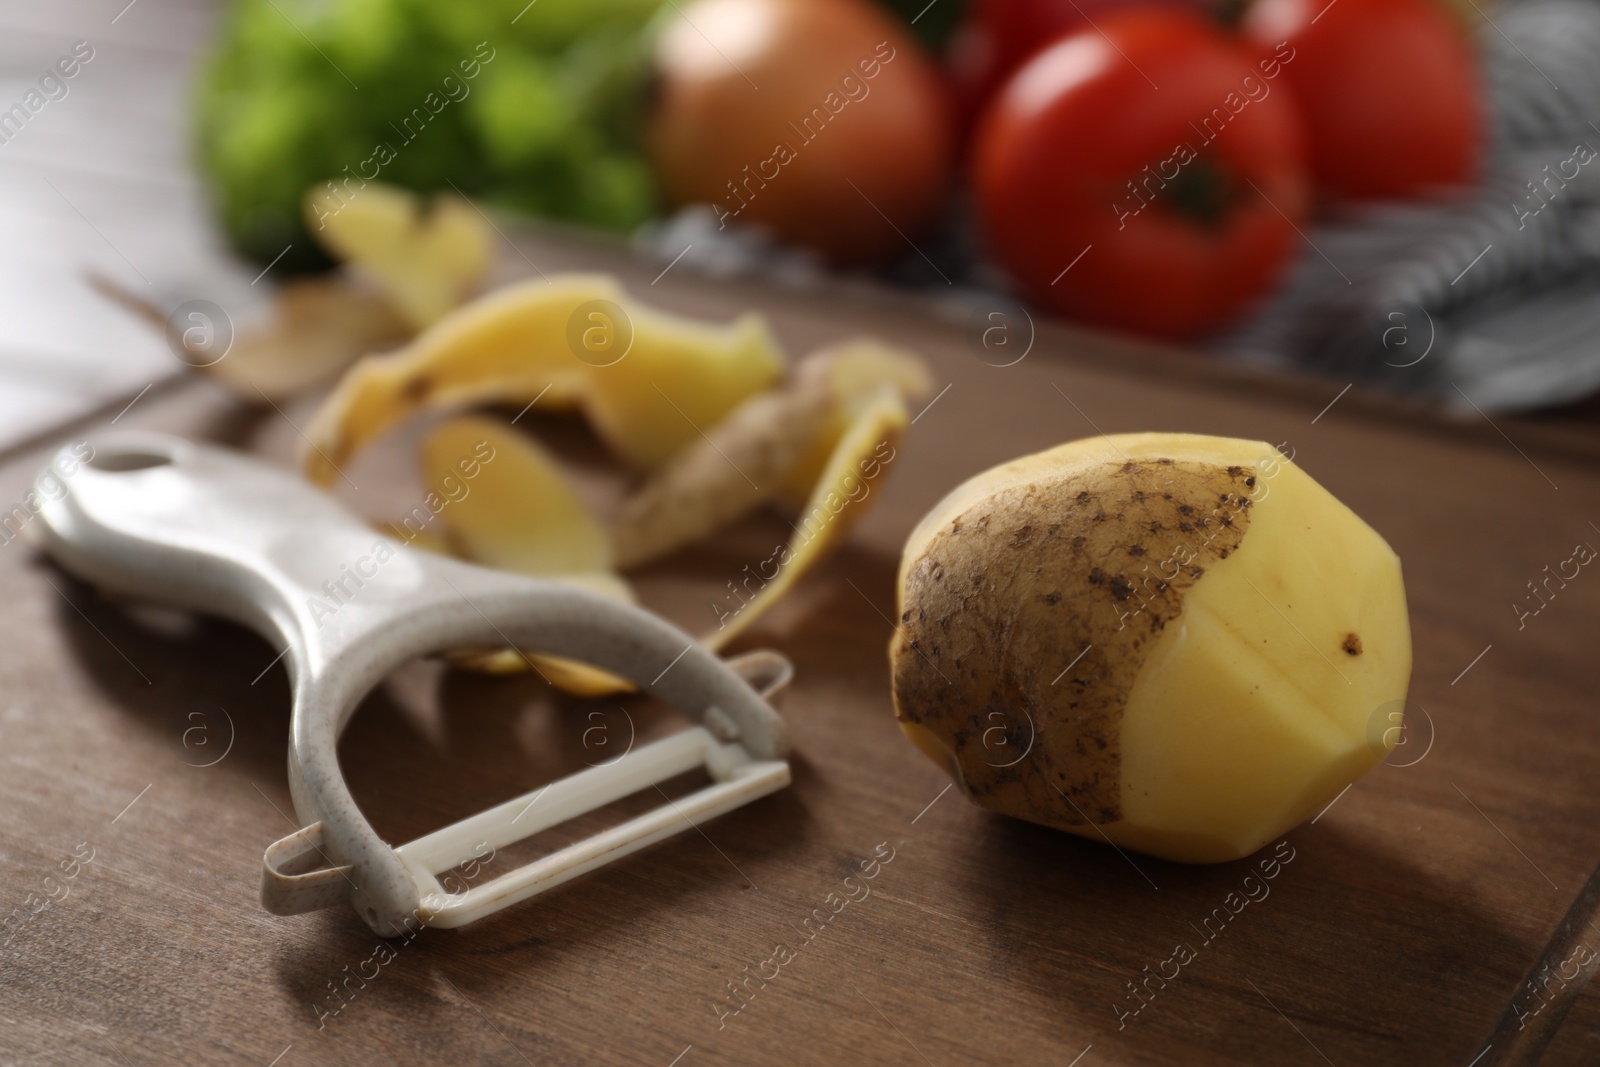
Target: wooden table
x=97, y=182
x=1398, y=933
x=154, y=743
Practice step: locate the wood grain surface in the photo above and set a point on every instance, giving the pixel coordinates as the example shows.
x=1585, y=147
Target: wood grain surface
x=1398, y=932
x=97, y=181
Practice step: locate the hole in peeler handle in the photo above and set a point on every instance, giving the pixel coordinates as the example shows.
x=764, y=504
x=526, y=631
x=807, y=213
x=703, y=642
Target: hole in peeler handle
x=122, y=462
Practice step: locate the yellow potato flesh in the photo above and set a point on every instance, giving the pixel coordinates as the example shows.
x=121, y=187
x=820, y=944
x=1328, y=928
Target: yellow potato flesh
x=1249, y=711
x=427, y=254
x=1277, y=717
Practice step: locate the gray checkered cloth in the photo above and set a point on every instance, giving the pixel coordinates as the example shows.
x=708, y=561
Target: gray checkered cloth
x=1492, y=298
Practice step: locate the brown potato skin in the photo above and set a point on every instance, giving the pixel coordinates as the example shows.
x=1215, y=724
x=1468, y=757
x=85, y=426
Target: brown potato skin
x=1010, y=591
x=735, y=467
x=709, y=122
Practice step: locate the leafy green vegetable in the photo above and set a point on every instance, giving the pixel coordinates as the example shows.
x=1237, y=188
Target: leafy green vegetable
x=538, y=106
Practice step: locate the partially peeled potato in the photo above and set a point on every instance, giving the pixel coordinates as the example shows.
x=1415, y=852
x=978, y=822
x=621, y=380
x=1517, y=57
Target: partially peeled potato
x=1171, y=642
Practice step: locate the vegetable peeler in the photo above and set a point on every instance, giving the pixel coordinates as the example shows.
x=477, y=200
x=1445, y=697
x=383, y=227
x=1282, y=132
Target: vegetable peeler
x=194, y=526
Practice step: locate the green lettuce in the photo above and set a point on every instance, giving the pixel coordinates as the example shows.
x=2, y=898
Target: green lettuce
x=536, y=106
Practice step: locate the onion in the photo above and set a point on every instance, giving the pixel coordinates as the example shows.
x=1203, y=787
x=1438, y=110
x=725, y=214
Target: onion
x=820, y=119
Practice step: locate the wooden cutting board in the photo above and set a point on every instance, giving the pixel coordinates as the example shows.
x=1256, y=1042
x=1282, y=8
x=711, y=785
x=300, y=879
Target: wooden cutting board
x=1397, y=929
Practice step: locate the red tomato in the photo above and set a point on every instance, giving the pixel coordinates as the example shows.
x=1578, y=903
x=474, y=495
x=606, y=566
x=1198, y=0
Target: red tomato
x=1389, y=90
x=1158, y=210
x=998, y=36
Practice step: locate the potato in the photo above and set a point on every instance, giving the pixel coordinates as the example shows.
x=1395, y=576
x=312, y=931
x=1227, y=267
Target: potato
x=1172, y=642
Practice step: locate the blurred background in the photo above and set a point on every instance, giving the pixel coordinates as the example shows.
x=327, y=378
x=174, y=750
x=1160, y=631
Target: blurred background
x=1398, y=194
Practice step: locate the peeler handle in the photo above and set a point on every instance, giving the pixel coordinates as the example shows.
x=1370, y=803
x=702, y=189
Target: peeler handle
x=157, y=517
x=200, y=527
x=190, y=525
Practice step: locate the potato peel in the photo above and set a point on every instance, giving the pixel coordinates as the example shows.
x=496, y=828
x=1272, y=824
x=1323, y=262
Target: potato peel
x=767, y=447
x=520, y=514
x=678, y=378
x=857, y=462
x=521, y=344
x=735, y=468
x=511, y=507
x=568, y=675
x=424, y=539
x=426, y=254
x=855, y=465
x=507, y=346
x=515, y=511
x=318, y=326
x=852, y=372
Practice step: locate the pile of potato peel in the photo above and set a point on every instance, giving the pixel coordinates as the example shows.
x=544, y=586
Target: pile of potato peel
x=703, y=413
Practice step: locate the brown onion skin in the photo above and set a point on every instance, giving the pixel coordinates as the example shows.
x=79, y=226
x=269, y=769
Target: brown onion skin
x=737, y=78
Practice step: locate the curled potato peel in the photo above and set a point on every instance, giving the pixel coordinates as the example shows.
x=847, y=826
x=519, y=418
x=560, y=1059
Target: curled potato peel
x=527, y=519
x=413, y=260
x=426, y=540
x=852, y=373
x=678, y=379
x=775, y=444
x=836, y=503
x=733, y=470
x=507, y=346
x=515, y=487
x=647, y=380
x=317, y=327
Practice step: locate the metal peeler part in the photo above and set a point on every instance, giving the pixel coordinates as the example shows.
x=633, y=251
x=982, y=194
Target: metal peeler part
x=194, y=526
